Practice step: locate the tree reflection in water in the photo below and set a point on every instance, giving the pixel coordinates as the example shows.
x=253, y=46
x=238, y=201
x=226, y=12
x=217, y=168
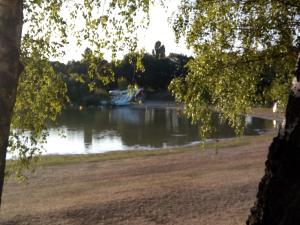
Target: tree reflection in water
x=120, y=128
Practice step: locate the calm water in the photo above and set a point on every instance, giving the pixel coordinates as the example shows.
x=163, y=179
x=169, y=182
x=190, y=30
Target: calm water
x=124, y=128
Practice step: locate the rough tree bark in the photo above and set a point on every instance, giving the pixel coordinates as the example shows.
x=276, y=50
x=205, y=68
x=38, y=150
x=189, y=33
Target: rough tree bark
x=11, y=20
x=278, y=197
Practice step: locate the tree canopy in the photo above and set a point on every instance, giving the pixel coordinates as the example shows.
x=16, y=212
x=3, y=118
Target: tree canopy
x=234, y=43
x=47, y=27
x=159, y=50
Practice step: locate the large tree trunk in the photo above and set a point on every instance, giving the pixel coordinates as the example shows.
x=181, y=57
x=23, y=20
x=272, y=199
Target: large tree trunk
x=11, y=20
x=278, y=197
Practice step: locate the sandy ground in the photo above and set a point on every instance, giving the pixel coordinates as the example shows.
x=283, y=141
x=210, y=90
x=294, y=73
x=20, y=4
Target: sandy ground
x=193, y=187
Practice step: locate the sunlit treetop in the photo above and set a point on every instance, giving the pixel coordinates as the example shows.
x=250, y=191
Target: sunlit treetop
x=110, y=24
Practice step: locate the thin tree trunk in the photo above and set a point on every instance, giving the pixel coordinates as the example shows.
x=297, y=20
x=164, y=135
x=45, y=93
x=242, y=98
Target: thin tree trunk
x=278, y=197
x=11, y=21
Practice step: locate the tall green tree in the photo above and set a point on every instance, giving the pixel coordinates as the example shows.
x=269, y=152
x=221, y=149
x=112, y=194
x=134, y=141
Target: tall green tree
x=32, y=31
x=233, y=42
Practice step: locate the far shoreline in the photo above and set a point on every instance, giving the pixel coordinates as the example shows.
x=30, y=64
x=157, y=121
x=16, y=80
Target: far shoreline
x=258, y=112
x=263, y=113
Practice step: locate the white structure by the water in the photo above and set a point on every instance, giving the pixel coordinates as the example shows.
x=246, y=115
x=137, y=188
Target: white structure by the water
x=125, y=97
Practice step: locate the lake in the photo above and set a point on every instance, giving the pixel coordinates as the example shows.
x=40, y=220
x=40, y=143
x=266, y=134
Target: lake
x=100, y=130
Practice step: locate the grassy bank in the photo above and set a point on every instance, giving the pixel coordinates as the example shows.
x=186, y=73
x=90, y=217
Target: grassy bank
x=52, y=160
x=182, y=185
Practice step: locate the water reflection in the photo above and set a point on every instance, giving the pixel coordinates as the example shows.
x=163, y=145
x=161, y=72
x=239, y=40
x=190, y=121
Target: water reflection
x=120, y=128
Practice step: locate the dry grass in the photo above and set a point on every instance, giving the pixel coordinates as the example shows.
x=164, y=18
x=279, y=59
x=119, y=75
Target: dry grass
x=189, y=187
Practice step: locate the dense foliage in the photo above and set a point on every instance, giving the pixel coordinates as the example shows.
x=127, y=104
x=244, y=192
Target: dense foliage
x=238, y=46
x=47, y=27
x=155, y=75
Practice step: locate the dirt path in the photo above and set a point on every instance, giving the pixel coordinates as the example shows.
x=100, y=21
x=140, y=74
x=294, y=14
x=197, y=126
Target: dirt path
x=189, y=188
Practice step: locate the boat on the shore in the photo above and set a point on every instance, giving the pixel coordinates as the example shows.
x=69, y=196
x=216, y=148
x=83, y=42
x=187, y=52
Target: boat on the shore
x=126, y=97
